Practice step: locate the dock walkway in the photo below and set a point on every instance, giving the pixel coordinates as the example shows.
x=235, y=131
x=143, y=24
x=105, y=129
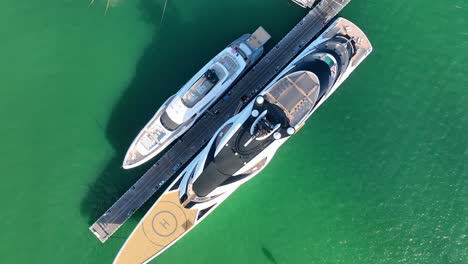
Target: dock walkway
x=192, y=142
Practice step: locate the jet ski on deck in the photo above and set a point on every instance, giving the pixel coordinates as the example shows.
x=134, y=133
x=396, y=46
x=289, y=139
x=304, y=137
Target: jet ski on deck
x=181, y=110
x=247, y=142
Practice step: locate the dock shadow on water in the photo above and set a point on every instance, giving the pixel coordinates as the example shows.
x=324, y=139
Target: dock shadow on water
x=268, y=255
x=179, y=47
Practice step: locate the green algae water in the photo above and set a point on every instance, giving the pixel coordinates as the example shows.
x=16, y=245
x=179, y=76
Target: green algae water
x=378, y=175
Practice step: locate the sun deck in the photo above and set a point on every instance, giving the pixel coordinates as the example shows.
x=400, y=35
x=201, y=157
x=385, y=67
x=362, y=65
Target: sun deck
x=295, y=94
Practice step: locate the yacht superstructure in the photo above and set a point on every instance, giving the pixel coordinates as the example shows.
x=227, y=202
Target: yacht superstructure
x=247, y=142
x=181, y=110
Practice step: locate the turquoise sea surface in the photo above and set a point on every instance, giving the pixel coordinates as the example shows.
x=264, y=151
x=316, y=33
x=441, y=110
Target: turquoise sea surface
x=378, y=175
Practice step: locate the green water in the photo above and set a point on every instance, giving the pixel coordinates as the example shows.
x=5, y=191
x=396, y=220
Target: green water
x=378, y=175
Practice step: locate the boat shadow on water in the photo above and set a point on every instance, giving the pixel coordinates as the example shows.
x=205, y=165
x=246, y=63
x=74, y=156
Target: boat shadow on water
x=269, y=256
x=178, y=48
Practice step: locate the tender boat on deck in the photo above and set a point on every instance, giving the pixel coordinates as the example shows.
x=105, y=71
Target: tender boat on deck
x=181, y=110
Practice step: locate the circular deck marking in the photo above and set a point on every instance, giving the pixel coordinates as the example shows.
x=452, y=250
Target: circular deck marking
x=165, y=223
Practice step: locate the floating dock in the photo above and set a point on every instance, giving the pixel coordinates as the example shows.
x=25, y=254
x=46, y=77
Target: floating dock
x=192, y=142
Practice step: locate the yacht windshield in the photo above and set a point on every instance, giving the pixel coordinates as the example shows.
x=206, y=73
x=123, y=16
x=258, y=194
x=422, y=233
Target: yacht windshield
x=200, y=88
x=168, y=123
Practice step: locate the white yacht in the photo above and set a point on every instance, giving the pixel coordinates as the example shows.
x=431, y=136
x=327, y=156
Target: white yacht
x=247, y=142
x=181, y=110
